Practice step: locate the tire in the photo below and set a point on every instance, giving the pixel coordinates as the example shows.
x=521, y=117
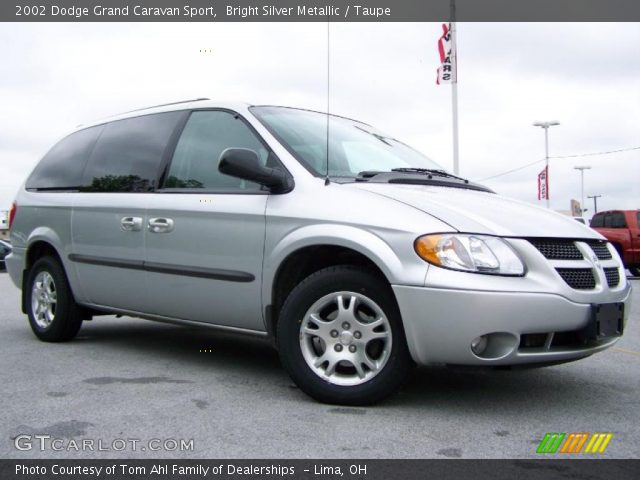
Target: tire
x=635, y=271
x=367, y=331
x=53, y=313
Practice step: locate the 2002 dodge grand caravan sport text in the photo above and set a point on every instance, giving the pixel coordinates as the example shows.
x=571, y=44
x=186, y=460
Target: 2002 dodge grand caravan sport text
x=223, y=215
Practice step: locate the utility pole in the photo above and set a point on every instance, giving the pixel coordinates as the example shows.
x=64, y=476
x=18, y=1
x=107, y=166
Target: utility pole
x=582, y=169
x=595, y=202
x=545, y=126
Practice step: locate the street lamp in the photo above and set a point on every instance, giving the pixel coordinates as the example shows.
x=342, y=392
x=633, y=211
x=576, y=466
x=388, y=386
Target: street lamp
x=545, y=126
x=582, y=169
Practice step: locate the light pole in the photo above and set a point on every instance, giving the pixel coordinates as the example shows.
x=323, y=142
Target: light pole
x=545, y=126
x=595, y=202
x=582, y=169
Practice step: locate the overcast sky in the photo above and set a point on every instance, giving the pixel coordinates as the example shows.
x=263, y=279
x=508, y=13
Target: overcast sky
x=587, y=76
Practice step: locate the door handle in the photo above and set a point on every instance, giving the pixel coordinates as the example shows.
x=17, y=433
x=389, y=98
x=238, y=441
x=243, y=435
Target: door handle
x=160, y=225
x=131, y=224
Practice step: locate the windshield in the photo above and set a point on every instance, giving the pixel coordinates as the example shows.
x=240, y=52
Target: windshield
x=354, y=147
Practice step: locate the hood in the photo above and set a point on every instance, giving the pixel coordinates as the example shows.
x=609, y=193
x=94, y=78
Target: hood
x=479, y=212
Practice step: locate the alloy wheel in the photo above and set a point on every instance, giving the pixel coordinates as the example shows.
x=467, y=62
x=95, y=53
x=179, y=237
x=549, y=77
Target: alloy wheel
x=345, y=338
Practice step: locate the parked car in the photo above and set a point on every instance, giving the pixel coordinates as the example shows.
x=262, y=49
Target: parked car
x=356, y=254
x=5, y=249
x=622, y=229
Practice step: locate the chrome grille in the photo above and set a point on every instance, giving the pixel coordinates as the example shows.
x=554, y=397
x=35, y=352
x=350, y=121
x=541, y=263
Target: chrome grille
x=600, y=249
x=613, y=276
x=578, y=278
x=557, y=249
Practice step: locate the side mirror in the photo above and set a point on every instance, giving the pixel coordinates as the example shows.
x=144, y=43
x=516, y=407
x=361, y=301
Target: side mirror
x=245, y=164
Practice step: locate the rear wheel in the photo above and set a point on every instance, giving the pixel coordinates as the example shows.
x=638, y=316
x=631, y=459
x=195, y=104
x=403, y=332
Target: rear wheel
x=53, y=314
x=340, y=337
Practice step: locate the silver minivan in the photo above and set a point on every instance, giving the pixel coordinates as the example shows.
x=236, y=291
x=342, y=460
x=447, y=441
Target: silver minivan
x=357, y=255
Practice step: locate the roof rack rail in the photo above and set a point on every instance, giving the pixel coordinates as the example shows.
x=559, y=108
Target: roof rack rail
x=167, y=104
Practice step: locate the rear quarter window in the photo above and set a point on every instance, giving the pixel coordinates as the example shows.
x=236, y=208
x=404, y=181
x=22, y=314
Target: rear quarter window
x=61, y=168
x=128, y=154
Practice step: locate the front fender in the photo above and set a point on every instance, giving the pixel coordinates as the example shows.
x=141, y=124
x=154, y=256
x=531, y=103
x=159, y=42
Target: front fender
x=400, y=266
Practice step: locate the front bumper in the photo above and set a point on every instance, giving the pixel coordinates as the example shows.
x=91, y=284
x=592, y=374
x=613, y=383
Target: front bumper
x=440, y=324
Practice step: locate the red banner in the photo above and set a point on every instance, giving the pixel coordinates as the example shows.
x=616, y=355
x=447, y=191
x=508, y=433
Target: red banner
x=543, y=184
x=447, y=69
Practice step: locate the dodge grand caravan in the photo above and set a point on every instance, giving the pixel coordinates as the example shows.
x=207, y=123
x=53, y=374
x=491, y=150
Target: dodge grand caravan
x=356, y=254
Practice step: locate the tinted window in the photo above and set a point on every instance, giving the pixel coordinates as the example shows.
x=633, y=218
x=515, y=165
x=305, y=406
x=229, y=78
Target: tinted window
x=205, y=136
x=597, y=221
x=127, y=156
x=61, y=168
x=618, y=220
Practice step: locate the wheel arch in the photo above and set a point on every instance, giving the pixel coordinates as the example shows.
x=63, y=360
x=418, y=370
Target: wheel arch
x=45, y=241
x=39, y=246
x=313, y=248
x=39, y=249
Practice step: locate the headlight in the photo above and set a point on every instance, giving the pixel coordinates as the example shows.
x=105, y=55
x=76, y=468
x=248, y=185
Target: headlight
x=469, y=253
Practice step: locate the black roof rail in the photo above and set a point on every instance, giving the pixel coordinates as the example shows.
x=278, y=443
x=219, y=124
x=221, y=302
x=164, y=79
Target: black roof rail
x=166, y=105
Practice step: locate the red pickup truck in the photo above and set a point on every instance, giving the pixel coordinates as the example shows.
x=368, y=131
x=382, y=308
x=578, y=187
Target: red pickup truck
x=622, y=229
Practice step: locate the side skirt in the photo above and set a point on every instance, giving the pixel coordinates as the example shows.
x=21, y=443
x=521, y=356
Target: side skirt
x=177, y=321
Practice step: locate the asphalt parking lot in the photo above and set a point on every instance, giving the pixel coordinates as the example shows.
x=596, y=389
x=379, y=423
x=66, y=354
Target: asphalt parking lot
x=131, y=379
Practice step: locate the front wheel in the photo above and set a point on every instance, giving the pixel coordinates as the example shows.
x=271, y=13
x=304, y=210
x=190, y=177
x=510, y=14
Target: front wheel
x=340, y=337
x=53, y=313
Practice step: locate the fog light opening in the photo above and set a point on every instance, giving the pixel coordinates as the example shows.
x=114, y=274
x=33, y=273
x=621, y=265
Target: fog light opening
x=494, y=346
x=479, y=345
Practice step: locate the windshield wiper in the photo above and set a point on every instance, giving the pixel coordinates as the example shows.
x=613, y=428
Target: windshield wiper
x=429, y=171
x=419, y=176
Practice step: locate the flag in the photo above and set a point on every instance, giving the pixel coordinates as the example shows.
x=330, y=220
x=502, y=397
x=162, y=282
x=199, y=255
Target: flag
x=447, y=72
x=543, y=184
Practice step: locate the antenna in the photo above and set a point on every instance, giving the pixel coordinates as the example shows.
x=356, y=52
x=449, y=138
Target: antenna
x=326, y=179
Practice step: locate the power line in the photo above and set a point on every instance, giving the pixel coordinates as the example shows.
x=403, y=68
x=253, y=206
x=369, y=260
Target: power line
x=598, y=153
x=562, y=156
x=510, y=171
